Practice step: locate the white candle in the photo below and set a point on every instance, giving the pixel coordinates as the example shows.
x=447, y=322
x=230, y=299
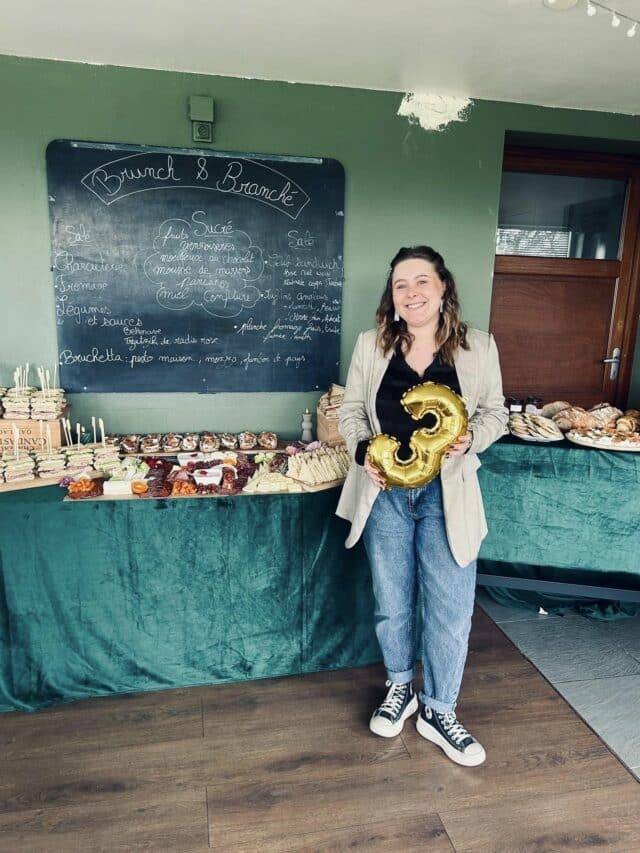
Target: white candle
x=101, y=423
x=47, y=375
x=78, y=433
x=93, y=427
x=55, y=374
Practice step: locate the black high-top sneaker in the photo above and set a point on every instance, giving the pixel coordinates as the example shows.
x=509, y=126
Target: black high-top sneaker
x=451, y=736
x=399, y=703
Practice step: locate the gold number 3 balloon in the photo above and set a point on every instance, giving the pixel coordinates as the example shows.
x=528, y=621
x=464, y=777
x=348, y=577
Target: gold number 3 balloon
x=427, y=443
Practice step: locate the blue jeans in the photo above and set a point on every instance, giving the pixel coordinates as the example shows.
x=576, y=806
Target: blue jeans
x=406, y=543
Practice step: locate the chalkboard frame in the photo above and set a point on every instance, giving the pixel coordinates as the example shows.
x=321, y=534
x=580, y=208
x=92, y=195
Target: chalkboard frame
x=263, y=371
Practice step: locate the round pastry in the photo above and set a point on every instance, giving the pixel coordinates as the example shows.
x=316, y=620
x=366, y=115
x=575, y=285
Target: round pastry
x=268, y=440
x=228, y=440
x=171, y=442
x=190, y=441
x=209, y=442
x=247, y=440
x=112, y=440
x=151, y=443
x=130, y=444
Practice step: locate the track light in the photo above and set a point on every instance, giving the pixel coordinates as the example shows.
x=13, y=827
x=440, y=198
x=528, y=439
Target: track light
x=632, y=29
x=615, y=20
x=591, y=9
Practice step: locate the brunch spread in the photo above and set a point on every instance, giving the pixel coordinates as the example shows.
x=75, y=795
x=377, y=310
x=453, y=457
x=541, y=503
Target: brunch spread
x=224, y=472
x=604, y=426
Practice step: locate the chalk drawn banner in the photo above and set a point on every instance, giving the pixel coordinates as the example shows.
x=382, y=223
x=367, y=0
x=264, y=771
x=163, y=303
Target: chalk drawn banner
x=180, y=270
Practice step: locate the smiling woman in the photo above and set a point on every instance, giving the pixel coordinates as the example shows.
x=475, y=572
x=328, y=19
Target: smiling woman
x=421, y=536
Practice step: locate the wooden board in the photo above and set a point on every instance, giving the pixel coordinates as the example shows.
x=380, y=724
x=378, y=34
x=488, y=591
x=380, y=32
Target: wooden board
x=30, y=484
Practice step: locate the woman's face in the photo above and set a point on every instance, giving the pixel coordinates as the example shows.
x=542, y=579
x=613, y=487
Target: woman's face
x=417, y=291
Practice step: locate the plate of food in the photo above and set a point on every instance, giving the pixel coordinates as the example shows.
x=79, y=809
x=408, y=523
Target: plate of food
x=534, y=428
x=606, y=439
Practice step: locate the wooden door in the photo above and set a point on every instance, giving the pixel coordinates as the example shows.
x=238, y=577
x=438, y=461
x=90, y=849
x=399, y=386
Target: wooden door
x=557, y=320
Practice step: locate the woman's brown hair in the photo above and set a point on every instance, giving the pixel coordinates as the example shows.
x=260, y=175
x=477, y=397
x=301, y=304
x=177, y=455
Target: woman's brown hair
x=451, y=333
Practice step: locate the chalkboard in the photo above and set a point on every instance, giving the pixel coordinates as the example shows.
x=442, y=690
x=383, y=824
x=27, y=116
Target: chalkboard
x=182, y=270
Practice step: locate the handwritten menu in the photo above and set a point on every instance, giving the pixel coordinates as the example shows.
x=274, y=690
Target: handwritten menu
x=194, y=271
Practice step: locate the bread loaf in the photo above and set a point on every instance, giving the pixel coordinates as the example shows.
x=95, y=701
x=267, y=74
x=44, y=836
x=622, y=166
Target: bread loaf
x=605, y=415
x=629, y=422
x=574, y=418
x=552, y=409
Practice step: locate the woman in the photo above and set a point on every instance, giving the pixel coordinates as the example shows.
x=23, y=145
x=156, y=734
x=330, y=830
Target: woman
x=429, y=536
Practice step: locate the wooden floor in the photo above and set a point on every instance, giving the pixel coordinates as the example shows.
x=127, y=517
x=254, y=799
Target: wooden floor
x=290, y=765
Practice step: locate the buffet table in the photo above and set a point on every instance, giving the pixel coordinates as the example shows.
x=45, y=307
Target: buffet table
x=562, y=520
x=101, y=597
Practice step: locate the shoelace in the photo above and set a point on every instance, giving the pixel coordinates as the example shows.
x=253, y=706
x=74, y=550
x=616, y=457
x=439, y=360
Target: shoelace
x=395, y=697
x=453, y=728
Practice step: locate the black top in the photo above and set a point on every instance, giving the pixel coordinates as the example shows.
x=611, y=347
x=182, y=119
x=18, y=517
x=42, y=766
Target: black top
x=398, y=378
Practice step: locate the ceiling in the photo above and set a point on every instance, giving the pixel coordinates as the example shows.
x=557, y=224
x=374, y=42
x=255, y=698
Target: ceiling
x=505, y=50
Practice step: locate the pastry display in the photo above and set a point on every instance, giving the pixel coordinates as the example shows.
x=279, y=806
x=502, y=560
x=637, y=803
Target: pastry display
x=629, y=422
x=534, y=428
x=551, y=409
x=190, y=441
x=150, y=443
x=247, y=440
x=324, y=465
x=171, y=442
x=228, y=440
x=268, y=440
x=574, y=417
x=605, y=415
x=130, y=443
x=605, y=439
x=209, y=442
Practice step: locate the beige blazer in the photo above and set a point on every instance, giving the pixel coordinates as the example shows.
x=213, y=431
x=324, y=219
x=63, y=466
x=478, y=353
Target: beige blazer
x=480, y=380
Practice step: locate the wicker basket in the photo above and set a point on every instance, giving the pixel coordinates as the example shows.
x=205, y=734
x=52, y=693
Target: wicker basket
x=327, y=430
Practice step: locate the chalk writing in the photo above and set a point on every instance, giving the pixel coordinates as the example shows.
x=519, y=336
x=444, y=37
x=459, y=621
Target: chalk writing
x=184, y=271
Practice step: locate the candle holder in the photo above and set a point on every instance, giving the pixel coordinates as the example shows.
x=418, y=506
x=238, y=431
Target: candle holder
x=307, y=427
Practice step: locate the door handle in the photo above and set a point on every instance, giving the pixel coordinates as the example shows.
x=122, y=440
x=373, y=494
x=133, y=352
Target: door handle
x=614, y=361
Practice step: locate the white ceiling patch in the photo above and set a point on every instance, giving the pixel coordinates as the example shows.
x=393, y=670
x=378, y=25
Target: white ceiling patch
x=434, y=112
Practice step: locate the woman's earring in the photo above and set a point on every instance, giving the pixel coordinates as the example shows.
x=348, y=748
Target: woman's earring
x=396, y=316
x=442, y=306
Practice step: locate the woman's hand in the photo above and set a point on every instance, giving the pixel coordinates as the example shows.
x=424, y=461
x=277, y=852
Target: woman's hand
x=374, y=475
x=461, y=446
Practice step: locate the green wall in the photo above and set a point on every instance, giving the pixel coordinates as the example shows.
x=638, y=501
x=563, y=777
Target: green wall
x=403, y=186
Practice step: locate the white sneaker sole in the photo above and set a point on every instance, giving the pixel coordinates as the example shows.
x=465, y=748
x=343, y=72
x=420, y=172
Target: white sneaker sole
x=381, y=726
x=429, y=733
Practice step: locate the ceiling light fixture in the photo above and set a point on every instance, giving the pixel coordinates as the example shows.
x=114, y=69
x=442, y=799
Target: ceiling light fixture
x=560, y=5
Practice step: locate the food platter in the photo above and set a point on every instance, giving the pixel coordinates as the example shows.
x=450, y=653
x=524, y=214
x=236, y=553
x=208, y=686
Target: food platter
x=606, y=442
x=538, y=439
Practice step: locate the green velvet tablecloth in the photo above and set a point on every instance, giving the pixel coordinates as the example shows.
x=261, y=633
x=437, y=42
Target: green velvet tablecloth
x=559, y=512
x=101, y=597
